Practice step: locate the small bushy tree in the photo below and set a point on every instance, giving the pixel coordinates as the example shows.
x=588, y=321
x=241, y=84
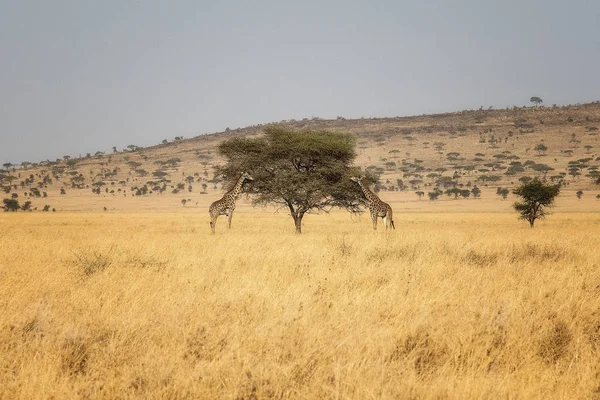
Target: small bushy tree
x=26, y=206
x=536, y=100
x=535, y=196
x=11, y=205
x=502, y=192
x=540, y=148
x=435, y=194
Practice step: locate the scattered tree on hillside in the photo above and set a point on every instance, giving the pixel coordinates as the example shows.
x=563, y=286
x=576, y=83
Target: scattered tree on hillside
x=11, y=205
x=535, y=196
x=435, y=194
x=543, y=168
x=476, y=192
x=159, y=174
x=453, y=192
x=26, y=206
x=536, y=100
x=579, y=194
x=305, y=171
x=541, y=148
x=503, y=192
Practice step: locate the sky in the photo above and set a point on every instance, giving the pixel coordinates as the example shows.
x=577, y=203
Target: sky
x=78, y=77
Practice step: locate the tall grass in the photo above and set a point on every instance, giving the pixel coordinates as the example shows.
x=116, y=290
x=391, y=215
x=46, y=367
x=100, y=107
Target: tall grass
x=154, y=306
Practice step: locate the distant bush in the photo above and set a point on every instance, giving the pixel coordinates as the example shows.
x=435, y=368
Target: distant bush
x=502, y=192
x=11, y=205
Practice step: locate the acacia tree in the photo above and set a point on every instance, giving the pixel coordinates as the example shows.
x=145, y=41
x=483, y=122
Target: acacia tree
x=11, y=205
x=541, y=148
x=536, y=100
x=305, y=171
x=536, y=196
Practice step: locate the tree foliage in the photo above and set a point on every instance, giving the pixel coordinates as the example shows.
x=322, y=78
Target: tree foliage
x=11, y=205
x=503, y=192
x=305, y=171
x=540, y=148
x=536, y=100
x=535, y=196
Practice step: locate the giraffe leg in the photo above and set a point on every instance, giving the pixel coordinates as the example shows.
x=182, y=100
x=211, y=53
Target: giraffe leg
x=213, y=221
x=385, y=222
x=229, y=217
x=374, y=218
x=390, y=216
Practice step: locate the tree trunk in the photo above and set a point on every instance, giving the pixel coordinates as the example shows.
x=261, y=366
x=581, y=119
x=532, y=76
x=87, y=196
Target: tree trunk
x=297, y=216
x=298, y=221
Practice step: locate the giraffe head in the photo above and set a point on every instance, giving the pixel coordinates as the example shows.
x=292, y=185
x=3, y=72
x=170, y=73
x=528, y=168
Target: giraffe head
x=246, y=176
x=355, y=179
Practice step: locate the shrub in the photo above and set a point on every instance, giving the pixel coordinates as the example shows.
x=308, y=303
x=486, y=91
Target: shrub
x=503, y=192
x=11, y=205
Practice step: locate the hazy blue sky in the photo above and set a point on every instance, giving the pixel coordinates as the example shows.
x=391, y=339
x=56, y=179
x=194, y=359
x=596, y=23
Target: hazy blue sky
x=82, y=76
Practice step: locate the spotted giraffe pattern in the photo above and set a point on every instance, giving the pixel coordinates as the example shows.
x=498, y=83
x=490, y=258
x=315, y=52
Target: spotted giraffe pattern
x=377, y=207
x=226, y=204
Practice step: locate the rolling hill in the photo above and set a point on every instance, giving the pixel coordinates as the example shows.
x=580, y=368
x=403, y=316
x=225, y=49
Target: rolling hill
x=488, y=148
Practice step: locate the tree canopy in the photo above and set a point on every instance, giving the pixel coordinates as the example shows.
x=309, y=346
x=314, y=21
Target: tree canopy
x=536, y=100
x=10, y=205
x=303, y=170
x=536, y=196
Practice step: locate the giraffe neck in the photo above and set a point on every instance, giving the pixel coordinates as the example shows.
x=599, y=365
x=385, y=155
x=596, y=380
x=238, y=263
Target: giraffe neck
x=237, y=188
x=368, y=194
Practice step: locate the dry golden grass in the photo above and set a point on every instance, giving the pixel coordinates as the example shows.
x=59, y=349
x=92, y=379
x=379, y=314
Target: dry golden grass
x=152, y=306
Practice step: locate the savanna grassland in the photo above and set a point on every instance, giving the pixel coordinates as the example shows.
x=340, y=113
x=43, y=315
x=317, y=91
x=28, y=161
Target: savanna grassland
x=151, y=305
x=119, y=290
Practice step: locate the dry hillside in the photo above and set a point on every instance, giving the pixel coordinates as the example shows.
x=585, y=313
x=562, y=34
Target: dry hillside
x=487, y=148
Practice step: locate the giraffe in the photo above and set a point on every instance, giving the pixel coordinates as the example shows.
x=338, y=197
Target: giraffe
x=226, y=204
x=377, y=207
